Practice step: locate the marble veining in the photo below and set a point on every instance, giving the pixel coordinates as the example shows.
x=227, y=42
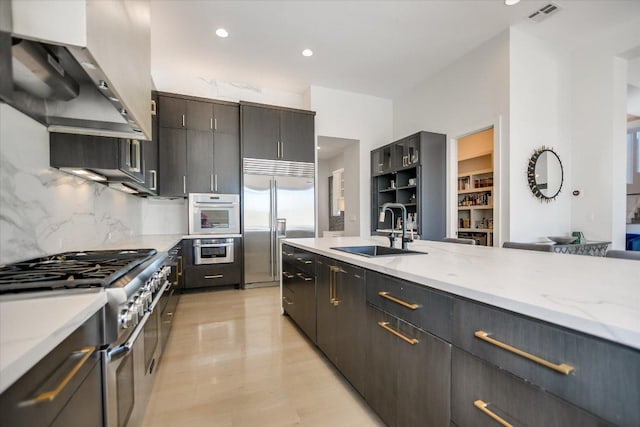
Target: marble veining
x=43, y=210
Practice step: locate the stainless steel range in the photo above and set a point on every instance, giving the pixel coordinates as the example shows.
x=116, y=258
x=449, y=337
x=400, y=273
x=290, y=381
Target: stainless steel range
x=135, y=282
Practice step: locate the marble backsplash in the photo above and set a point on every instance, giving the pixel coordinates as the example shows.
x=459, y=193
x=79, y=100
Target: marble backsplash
x=44, y=211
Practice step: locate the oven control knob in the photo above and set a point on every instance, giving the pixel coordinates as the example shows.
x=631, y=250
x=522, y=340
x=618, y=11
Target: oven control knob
x=138, y=307
x=125, y=319
x=146, y=299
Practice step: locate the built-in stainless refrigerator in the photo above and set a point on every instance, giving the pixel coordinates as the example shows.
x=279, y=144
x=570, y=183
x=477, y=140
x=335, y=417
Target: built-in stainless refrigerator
x=278, y=202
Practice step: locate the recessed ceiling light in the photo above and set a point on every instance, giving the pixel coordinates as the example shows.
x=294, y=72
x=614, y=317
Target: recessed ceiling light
x=511, y=2
x=221, y=32
x=307, y=52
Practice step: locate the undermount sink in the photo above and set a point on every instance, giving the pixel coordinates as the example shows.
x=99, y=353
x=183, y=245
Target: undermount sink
x=373, y=251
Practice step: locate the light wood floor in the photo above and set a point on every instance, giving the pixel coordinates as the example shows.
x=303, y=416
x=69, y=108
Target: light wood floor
x=233, y=360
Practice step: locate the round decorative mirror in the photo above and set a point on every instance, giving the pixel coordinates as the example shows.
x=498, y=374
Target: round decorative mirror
x=545, y=174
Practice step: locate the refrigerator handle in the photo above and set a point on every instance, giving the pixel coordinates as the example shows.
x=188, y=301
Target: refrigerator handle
x=271, y=216
x=274, y=233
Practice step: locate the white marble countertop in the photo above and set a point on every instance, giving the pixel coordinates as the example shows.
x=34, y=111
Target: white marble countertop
x=32, y=325
x=595, y=295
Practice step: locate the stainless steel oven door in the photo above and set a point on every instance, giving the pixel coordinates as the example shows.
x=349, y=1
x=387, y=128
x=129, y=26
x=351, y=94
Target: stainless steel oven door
x=214, y=213
x=213, y=251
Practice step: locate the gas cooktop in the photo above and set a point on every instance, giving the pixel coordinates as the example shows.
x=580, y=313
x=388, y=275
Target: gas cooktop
x=71, y=270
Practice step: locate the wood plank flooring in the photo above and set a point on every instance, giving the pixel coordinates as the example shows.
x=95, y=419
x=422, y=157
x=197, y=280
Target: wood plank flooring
x=233, y=360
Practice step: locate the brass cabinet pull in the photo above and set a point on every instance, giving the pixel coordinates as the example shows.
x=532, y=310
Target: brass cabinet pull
x=386, y=327
x=304, y=261
x=214, y=276
x=303, y=277
x=288, y=275
x=86, y=352
x=180, y=266
x=333, y=288
x=386, y=295
x=287, y=253
x=287, y=301
x=154, y=109
x=483, y=407
x=563, y=368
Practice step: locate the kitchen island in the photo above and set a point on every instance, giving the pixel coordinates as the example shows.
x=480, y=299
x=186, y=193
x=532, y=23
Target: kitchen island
x=528, y=337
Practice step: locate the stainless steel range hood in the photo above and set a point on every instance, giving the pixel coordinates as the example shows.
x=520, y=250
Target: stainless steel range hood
x=82, y=66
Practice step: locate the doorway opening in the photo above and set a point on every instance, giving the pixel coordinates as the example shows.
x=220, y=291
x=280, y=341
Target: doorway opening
x=475, y=195
x=632, y=226
x=338, y=187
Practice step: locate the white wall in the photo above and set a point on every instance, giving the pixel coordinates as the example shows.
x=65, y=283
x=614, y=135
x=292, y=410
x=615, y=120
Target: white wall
x=44, y=211
x=599, y=134
x=466, y=96
x=365, y=118
x=352, y=191
x=164, y=216
x=539, y=80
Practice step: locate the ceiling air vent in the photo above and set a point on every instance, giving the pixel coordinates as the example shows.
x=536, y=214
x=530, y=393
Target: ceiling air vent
x=544, y=12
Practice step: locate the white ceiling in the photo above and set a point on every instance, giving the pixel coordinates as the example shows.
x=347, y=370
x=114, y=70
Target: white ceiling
x=380, y=48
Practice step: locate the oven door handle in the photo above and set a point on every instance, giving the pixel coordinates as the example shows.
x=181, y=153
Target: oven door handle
x=125, y=348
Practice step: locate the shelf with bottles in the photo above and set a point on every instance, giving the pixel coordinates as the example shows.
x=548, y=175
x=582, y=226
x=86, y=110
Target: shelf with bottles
x=481, y=199
x=474, y=181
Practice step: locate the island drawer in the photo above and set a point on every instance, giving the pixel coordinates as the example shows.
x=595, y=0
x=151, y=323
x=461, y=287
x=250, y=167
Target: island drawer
x=600, y=376
x=302, y=259
x=416, y=304
x=482, y=394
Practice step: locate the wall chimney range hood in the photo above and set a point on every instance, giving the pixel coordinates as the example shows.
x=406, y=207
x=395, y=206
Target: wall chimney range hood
x=81, y=66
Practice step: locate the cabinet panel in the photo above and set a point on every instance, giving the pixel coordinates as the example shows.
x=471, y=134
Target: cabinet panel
x=199, y=116
x=508, y=397
x=424, y=379
x=381, y=362
x=433, y=311
x=227, y=119
x=260, y=132
x=297, y=136
x=326, y=323
x=84, y=409
x=299, y=288
x=605, y=375
x=199, y=161
x=200, y=276
x=226, y=163
x=173, y=162
x=172, y=112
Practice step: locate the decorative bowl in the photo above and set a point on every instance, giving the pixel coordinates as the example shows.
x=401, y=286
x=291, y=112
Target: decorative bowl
x=562, y=240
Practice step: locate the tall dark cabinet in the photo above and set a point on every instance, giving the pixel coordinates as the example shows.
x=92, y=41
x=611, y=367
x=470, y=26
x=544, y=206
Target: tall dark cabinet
x=411, y=171
x=200, y=146
x=277, y=133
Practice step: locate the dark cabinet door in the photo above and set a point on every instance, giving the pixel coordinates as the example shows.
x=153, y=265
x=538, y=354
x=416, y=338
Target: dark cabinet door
x=381, y=364
x=173, y=162
x=297, y=137
x=226, y=150
x=200, y=177
x=424, y=379
x=150, y=154
x=199, y=116
x=326, y=320
x=260, y=132
x=349, y=292
x=481, y=391
x=172, y=112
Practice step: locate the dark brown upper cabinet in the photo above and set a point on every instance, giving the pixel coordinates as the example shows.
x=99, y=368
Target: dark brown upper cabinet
x=277, y=133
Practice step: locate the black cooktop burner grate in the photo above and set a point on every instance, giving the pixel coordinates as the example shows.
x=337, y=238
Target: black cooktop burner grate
x=71, y=269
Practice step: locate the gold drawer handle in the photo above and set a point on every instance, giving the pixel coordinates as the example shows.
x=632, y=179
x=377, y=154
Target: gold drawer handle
x=482, y=405
x=386, y=295
x=303, y=277
x=287, y=301
x=563, y=368
x=304, y=261
x=86, y=352
x=386, y=327
x=288, y=275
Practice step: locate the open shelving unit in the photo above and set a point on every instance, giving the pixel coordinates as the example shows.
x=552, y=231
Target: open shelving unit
x=476, y=196
x=411, y=171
